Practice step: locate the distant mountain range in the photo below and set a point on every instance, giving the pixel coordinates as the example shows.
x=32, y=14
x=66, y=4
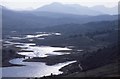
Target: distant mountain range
x=51, y=15
x=32, y=19
x=105, y=10
x=78, y=9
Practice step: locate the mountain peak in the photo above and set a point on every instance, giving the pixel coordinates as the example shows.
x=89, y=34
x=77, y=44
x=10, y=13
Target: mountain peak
x=76, y=9
x=68, y=9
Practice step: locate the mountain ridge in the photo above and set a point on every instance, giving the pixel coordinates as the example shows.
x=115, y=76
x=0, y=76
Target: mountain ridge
x=78, y=9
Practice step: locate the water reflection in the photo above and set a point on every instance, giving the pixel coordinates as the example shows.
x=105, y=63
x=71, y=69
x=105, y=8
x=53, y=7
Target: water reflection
x=32, y=69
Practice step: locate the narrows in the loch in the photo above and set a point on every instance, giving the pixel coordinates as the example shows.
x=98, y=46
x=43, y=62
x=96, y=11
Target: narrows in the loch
x=30, y=50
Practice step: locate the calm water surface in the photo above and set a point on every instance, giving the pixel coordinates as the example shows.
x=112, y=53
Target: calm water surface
x=34, y=69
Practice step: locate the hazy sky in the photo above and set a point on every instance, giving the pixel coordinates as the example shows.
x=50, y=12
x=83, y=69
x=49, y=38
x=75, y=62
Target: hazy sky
x=32, y=4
